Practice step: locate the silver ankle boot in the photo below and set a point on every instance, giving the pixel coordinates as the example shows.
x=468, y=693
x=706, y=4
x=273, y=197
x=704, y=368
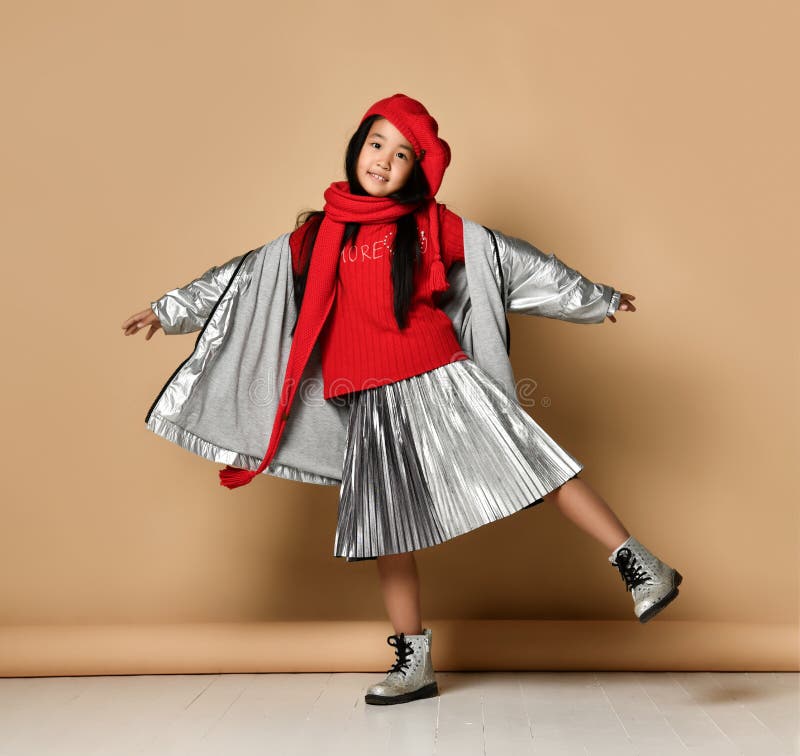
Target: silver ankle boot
x=411, y=676
x=652, y=583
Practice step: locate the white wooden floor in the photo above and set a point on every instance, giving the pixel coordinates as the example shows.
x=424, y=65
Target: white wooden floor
x=502, y=713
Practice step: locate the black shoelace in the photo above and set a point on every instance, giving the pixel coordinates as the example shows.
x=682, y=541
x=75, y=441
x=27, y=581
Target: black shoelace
x=403, y=649
x=633, y=574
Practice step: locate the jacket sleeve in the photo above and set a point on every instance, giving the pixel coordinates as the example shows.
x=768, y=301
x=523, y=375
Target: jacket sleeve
x=541, y=284
x=187, y=308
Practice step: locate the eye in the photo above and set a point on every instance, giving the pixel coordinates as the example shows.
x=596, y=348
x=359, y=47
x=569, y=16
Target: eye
x=403, y=155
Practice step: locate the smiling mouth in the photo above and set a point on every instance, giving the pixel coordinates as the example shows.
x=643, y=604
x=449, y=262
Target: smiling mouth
x=377, y=177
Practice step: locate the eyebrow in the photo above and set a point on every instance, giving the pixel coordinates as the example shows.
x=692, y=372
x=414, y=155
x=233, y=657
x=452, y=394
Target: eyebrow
x=404, y=146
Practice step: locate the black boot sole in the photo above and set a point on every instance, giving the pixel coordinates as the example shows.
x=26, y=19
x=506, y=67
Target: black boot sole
x=426, y=691
x=669, y=598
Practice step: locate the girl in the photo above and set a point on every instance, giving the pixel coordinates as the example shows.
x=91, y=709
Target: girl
x=400, y=305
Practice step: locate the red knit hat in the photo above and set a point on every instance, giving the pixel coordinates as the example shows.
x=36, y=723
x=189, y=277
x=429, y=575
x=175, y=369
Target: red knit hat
x=411, y=118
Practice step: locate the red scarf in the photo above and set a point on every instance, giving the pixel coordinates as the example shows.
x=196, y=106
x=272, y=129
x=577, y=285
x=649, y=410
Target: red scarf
x=340, y=207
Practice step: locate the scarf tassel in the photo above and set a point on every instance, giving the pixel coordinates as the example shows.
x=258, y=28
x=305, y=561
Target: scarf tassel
x=233, y=477
x=438, y=279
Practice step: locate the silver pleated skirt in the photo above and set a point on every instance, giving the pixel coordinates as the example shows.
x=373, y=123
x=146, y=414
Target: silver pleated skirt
x=433, y=456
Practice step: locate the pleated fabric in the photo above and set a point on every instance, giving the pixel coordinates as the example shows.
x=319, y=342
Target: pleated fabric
x=433, y=456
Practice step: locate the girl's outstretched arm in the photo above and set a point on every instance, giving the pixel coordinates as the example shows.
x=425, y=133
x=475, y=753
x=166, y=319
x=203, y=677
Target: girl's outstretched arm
x=187, y=308
x=541, y=284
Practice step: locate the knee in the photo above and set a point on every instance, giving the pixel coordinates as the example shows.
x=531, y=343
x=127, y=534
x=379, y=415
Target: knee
x=553, y=495
x=396, y=561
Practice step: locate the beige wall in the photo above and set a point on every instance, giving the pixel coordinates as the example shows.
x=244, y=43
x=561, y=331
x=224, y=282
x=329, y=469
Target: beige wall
x=654, y=148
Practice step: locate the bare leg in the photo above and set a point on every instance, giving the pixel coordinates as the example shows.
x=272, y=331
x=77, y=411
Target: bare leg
x=400, y=587
x=578, y=502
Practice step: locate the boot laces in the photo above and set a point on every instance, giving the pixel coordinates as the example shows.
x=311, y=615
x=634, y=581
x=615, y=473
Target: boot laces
x=632, y=573
x=403, y=649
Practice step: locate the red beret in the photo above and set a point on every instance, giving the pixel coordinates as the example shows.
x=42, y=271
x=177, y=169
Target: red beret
x=411, y=118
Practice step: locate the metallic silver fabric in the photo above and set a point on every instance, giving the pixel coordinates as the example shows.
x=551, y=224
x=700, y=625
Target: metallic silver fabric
x=411, y=676
x=170, y=431
x=186, y=308
x=614, y=304
x=436, y=455
x=542, y=284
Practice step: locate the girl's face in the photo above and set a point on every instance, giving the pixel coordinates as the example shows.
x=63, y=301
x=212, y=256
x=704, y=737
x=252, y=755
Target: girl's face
x=385, y=161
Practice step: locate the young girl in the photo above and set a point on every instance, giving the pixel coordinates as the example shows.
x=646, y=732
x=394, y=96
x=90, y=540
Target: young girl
x=400, y=305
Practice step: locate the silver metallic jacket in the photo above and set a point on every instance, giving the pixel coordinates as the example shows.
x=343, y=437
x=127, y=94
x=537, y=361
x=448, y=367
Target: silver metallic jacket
x=220, y=402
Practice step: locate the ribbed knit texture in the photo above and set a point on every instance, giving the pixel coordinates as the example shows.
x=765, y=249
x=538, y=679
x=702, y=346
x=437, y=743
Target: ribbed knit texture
x=361, y=344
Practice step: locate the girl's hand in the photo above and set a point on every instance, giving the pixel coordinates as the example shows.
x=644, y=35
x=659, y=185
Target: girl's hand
x=624, y=304
x=141, y=320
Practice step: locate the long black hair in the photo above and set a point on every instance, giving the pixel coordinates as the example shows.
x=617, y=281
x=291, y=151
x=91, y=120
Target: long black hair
x=406, y=255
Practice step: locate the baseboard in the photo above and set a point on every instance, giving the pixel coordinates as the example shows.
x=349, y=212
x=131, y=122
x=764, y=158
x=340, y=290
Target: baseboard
x=458, y=645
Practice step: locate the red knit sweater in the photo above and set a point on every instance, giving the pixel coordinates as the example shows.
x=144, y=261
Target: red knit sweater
x=361, y=344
